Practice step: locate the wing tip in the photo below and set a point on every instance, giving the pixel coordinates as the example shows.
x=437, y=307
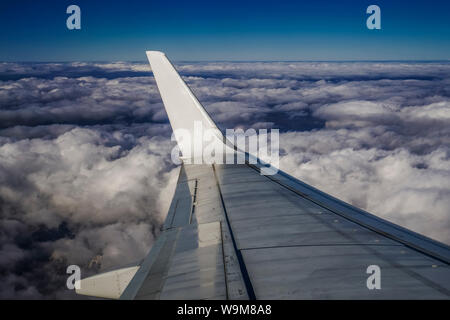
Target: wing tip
x=154, y=52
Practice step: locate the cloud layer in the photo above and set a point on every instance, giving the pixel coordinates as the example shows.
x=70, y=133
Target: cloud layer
x=85, y=170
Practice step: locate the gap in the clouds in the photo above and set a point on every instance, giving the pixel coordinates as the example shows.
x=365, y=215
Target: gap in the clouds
x=282, y=121
x=44, y=233
x=285, y=122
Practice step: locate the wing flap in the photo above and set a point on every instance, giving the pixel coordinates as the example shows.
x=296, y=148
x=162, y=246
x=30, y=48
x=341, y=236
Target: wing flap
x=106, y=285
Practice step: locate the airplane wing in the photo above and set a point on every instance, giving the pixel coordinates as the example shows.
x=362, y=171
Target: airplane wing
x=233, y=233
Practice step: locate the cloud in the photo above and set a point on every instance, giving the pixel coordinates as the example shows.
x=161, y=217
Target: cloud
x=85, y=170
x=83, y=194
x=14, y=71
x=81, y=101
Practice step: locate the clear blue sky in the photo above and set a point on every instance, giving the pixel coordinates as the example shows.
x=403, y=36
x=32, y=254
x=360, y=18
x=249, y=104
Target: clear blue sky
x=225, y=30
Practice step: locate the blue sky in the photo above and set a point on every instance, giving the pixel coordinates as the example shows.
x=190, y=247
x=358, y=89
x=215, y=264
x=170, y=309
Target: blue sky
x=225, y=30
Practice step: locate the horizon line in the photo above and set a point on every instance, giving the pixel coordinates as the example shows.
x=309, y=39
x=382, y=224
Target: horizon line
x=235, y=61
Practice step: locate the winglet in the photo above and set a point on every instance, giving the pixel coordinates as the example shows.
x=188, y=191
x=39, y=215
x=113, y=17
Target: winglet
x=186, y=114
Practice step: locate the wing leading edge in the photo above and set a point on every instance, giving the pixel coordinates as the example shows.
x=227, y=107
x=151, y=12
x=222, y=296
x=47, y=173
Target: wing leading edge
x=232, y=233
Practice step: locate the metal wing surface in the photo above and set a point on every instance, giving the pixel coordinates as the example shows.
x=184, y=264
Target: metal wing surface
x=234, y=233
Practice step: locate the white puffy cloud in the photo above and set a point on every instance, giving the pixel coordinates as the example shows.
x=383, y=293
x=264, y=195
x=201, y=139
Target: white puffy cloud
x=85, y=170
x=110, y=196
